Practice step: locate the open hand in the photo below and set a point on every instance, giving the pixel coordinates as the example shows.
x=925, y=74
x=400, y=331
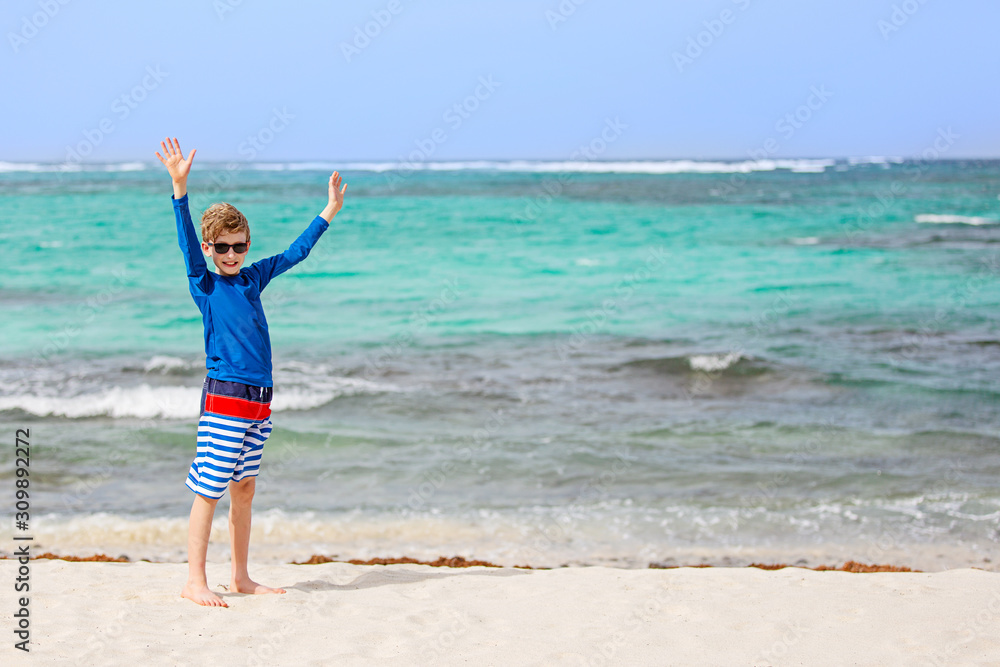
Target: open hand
x=336, y=192
x=174, y=160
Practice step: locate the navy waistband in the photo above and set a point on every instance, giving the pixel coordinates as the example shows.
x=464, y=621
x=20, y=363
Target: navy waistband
x=246, y=392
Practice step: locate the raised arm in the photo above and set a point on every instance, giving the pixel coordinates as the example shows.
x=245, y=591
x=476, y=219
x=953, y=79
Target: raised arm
x=271, y=267
x=194, y=260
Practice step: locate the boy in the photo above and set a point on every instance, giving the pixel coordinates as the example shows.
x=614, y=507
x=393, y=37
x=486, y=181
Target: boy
x=236, y=395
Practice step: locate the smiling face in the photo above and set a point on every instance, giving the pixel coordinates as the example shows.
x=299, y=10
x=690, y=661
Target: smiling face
x=229, y=262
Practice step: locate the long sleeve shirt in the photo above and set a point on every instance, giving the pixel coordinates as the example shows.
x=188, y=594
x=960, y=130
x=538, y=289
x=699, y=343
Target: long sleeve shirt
x=237, y=343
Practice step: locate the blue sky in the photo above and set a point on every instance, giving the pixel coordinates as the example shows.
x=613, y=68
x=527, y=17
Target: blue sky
x=715, y=79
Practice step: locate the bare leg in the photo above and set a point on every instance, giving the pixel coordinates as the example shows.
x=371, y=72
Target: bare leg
x=241, y=498
x=200, y=528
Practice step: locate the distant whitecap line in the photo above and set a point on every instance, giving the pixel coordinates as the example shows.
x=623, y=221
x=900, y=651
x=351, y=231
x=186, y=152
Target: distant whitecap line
x=937, y=219
x=581, y=166
x=874, y=159
x=598, y=166
x=804, y=166
x=70, y=167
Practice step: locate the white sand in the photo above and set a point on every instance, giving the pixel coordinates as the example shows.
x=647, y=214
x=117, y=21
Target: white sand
x=342, y=614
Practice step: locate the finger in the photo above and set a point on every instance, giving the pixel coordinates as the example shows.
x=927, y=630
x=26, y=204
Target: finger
x=178, y=146
x=191, y=154
x=158, y=155
x=164, y=147
x=343, y=189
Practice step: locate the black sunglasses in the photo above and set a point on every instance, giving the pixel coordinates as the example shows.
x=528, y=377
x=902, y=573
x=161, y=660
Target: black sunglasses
x=223, y=248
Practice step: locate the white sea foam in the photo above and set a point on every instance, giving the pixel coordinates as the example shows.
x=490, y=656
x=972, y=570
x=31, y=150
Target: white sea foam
x=564, y=166
x=268, y=166
x=35, y=166
x=142, y=401
x=874, y=159
x=713, y=362
x=125, y=166
x=166, y=402
x=805, y=166
x=298, y=166
x=68, y=166
x=954, y=219
x=805, y=240
x=320, y=393
x=164, y=364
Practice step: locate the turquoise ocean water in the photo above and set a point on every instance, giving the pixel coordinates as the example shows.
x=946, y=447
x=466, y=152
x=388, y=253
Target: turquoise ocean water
x=530, y=363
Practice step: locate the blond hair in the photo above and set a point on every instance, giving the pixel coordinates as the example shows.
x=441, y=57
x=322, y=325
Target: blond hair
x=220, y=219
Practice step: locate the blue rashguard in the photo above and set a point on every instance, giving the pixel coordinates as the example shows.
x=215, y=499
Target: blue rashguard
x=237, y=344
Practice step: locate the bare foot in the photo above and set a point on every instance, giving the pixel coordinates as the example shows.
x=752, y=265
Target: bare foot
x=202, y=595
x=249, y=586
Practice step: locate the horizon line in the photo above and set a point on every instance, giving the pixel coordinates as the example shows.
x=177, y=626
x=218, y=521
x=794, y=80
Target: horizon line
x=860, y=159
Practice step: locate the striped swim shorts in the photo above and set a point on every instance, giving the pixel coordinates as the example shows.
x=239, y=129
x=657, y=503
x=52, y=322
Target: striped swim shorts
x=235, y=421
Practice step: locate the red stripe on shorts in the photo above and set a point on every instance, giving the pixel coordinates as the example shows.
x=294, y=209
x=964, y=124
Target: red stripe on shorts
x=237, y=407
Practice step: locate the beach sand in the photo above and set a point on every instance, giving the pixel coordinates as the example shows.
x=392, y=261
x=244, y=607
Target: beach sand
x=92, y=613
